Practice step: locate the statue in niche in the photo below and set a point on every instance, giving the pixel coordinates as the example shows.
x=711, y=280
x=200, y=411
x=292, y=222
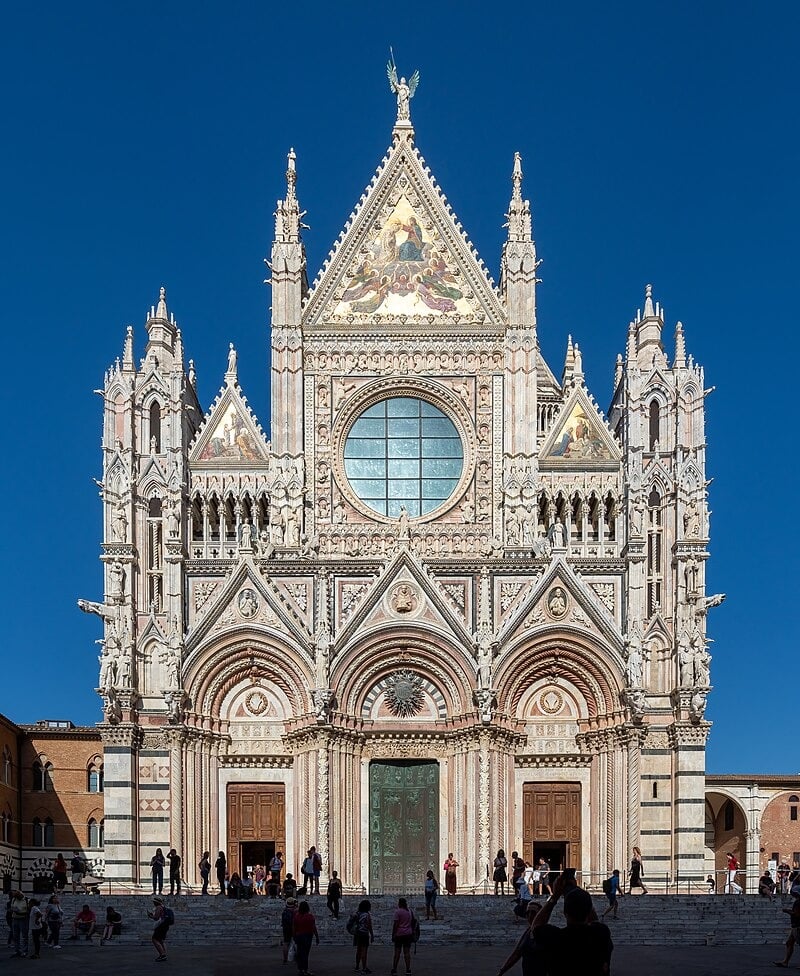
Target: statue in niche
x=634, y=670
x=558, y=535
x=116, y=585
x=691, y=521
x=685, y=662
x=173, y=522
x=691, y=572
x=403, y=530
x=322, y=645
x=246, y=538
x=557, y=602
x=119, y=523
x=124, y=671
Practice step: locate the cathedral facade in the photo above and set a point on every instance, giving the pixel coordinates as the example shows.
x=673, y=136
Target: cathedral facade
x=447, y=605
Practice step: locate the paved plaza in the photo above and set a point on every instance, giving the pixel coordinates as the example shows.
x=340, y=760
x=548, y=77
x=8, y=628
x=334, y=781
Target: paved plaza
x=327, y=960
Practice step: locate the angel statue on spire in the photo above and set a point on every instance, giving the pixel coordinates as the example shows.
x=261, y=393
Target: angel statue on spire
x=403, y=89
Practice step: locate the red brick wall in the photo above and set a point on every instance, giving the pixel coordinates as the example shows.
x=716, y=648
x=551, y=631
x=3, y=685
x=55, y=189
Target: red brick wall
x=779, y=833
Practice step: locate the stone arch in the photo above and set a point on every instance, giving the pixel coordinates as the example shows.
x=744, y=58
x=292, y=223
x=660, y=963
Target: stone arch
x=727, y=828
x=359, y=669
x=211, y=672
x=594, y=670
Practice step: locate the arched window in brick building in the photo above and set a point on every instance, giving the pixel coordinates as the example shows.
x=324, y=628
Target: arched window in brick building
x=793, y=801
x=95, y=777
x=43, y=832
x=95, y=832
x=42, y=776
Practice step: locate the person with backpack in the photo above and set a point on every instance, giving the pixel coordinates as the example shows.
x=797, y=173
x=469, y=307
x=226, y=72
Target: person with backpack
x=402, y=935
x=359, y=925
x=431, y=891
x=316, y=870
x=612, y=891
x=205, y=870
x=162, y=918
x=287, y=926
x=78, y=869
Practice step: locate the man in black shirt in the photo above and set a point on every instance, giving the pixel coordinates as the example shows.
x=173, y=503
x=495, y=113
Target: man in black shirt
x=585, y=945
x=174, y=859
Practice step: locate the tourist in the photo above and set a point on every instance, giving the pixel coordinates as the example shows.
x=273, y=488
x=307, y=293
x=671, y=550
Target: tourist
x=174, y=859
x=157, y=863
x=431, y=891
x=78, y=869
x=517, y=868
x=287, y=926
x=545, y=880
x=637, y=872
x=334, y=894
x=307, y=870
x=524, y=887
x=794, y=931
x=533, y=956
x=84, y=922
x=258, y=878
x=316, y=870
x=275, y=867
x=235, y=886
x=500, y=876
x=613, y=893
x=60, y=873
x=289, y=886
x=222, y=869
x=783, y=877
x=450, y=880
x=246, y=889
x=113, y=921
x=161, y=923
x=304, y=929
x=35, y=922
x=712, y=884
x=18, y=910
x=362, y=934
x=205, y=870
x=732, y=888
x=402, y=935
x=766, y=886
x=585, y=945
x=54, y=917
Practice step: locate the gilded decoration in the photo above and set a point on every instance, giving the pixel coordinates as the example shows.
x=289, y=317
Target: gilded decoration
x=406, y=271
x=580, y=439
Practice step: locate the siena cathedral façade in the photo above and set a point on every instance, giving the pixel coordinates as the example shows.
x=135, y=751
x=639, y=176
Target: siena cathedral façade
x=448, y=605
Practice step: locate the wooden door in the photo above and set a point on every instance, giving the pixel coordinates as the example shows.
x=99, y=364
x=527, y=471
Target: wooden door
x=256, y=812
x=403, y=825
x=551, y=814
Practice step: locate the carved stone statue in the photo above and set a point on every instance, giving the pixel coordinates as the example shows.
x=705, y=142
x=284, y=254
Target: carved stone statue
x=107, y=667
x=558, y=535
x=486, y=700
x=246, y=539
x=691, y=521
x=402, y=89
x=112, y=709
x=124, y=671
x=309, y=546
x=685, y=663
x=323, y=704
x=633, y=649
x=541, y=547
x=231, y=358
x=403, y=532
x=697, y=705
x=173, y=522
x=116, y=585
x=119, y=523
x=636, y=703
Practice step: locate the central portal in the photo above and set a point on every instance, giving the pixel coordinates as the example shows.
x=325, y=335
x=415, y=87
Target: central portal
x=403, y=824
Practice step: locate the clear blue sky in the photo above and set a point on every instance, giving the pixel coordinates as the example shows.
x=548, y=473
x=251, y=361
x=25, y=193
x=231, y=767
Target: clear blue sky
x=145, y=144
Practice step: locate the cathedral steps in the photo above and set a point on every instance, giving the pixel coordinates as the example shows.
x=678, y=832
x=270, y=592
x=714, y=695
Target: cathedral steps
x=466, y=919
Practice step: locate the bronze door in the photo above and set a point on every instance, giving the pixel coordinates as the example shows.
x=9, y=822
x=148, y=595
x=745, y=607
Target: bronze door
x=256, y=813
x=403, y=825
x=551, y=822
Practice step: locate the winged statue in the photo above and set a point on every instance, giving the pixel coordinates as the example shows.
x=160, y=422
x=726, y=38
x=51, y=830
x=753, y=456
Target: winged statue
x=404, y=90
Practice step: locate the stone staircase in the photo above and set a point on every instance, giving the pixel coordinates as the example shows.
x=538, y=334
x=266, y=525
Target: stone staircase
x=465, y=919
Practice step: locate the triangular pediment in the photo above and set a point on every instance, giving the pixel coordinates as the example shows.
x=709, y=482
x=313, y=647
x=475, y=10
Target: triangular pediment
x=560, y=598
x=229, y=433
x=403, y=259
x=246, y=600
x=579, y=435
x=404, y=594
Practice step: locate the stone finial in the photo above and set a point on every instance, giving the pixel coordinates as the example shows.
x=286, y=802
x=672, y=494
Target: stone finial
x=519, y=210
x=630, y=349
x=680, y=347
x=569, y=362
x=127, y=349
x=649, y=311
x=192, y=374
x=287, y=214
x=161, y=311
x=618, y=370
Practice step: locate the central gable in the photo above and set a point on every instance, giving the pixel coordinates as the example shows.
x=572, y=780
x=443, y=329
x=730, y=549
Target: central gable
x=403, y=259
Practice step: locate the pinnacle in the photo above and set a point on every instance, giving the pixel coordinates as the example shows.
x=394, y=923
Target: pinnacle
x=161, y=311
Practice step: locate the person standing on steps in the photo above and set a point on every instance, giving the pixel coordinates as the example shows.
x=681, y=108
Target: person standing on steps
x=334, y=894
x=637, y=872
x=174, y=859
x=275, y=868
x=316, y=870
x=35, y=924
x=431, y=891
x=60, y=873
x=287, y=926
x=304, y=929
x=500, y=876
x=157, y=863
x=450, y=877
x=362, y=934
x=221, y=867
x=160, y=928
x=402, y=935
x=54, y=916
x=517, y=870
x=205, y=870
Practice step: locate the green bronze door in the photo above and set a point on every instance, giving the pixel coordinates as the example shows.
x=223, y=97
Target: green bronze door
x=403, y=825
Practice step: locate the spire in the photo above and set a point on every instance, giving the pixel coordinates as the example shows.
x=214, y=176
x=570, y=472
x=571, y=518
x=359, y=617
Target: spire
x=160, y=330
x=649, y=327
x=680, y=347
x=127, y=349
x=630, y=349
x=519, y=210
x=648, y=302
x=288, y=217
x=161, y=311
x=618, y=371
x=569, y=363
x=577, y=369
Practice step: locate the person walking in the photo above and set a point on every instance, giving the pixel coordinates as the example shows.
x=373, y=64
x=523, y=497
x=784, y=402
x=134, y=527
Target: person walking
x=54, y=917
x=334, y=894
x=613, y=893
x=362, y=934
x=78, y=869
x=794, y=932
x=60, y=873
x=222, y=869
x=431, y=891
x=637, y=872
x=35, y=924
x=500, y=875
x=287, y=926
x=402, y=935
x=450, y=878
x=157, y=863
x=304, y=929
x=732, y=888
x=205, y=870
x=161, y=923
x=174, y=859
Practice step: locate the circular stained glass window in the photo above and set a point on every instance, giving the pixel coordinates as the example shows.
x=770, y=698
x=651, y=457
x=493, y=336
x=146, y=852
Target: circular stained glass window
x=403, y=452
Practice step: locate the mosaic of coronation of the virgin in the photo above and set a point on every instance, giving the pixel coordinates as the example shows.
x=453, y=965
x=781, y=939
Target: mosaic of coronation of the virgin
x=405, y=272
